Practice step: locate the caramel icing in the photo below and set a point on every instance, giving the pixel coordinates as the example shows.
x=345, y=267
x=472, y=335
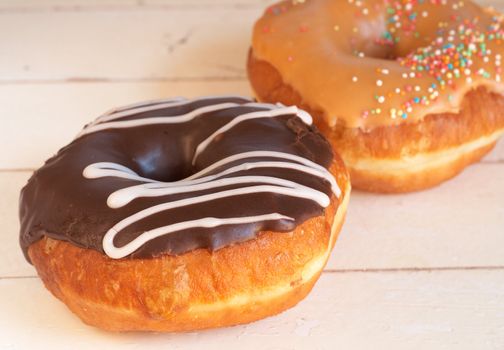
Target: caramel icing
x=368, y=63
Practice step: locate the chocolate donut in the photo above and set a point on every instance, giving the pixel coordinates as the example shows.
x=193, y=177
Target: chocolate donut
x=150, y=219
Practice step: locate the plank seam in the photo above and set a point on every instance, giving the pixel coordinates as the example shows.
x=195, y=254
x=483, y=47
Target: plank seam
x=17, y=170
x=493, y=161
x=368, y=271
x=130, y=8
x=88, y=80
x=18, y=277
x=417, y=269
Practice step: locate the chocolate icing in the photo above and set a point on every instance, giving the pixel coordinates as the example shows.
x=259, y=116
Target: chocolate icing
x=59, y=202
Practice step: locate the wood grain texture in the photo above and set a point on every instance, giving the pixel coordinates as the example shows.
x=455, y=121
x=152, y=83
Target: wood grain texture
x=12, y=263
x=115, y=5
x=456, y=224
x=141, y=45
x=80, y=5
x=441, y=310
x=497, y=155
x=49, y=116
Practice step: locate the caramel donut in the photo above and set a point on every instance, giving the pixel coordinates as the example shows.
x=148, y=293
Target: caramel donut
x=177, y=215
x=408, y=92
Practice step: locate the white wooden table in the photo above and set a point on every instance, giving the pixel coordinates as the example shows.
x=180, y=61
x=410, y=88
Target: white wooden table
x=418, y=271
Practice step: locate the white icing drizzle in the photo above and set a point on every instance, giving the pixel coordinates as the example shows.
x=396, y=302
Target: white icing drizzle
x=122, y=197
x=157, y=120
x=204, y=179
x=104, y=169
x=147, y=106
x=306, y=118
x=258, y=154
x=140, y=104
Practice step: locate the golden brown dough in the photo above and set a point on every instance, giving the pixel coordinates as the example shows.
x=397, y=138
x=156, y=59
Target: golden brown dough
x=199, y=289
x=443, y=144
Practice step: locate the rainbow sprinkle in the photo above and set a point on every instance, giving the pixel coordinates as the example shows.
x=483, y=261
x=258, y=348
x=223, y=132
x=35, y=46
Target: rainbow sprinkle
x=459, y=53
x=449, y=59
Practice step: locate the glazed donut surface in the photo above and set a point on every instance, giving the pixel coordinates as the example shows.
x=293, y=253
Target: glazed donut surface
x=371, y=63
x=171, y=176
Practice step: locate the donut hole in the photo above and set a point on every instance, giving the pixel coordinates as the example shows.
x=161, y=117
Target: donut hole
x=370, y=49
x=370, y=42
x=387, y=52
x=162, y=171
x=373, y=39
x=164, y=163
x=375, y=46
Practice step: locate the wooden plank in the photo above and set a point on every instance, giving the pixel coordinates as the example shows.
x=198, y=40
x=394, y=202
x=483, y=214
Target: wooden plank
x=10, y=6
x=117, y=5
x=238, y=4
x=12, y=262
x=77, y=5
x=43, y=118
x=426, y=310
x=64, y=45
x=431, y=229
x=456, y=224
x=497, y=155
